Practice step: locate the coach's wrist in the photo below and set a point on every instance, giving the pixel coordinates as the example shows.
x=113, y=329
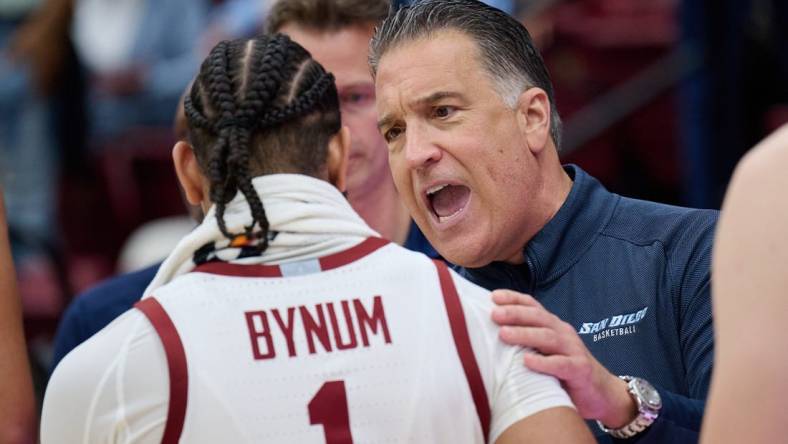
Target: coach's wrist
x=622, y=408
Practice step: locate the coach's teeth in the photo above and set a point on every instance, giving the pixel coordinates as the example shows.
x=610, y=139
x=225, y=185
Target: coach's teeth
x=444, y=218
x=436, y=188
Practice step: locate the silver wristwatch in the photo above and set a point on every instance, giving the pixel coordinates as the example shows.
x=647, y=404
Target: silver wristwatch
x=648, y=402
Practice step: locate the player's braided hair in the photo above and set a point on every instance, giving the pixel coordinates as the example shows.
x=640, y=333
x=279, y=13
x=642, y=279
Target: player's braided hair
x=259, y=106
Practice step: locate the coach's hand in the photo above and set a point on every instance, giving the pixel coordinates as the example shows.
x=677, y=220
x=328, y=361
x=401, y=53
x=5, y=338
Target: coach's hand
x=597, y=393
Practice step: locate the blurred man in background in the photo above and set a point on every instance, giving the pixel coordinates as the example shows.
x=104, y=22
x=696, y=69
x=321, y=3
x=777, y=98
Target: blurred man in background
x=337, y=33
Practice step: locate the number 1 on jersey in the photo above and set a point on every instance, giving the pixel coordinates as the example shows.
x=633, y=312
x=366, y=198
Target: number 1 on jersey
x=329, y=408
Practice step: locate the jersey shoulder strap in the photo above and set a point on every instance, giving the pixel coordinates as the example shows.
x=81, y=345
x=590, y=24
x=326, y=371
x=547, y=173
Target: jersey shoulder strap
x=459, y=330
x=176, y=364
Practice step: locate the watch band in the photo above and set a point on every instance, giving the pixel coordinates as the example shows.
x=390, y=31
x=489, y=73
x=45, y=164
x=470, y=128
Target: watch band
x=648, y=410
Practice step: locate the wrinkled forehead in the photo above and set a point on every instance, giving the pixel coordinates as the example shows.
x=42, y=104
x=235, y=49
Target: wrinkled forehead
x=444, y=61
x=441, y=60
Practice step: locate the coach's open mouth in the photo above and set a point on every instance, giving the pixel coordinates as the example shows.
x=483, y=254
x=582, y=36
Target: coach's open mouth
x=446, y=201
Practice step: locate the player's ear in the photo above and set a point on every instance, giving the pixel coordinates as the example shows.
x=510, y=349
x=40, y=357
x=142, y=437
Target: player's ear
x=336, y=163
x=190, y=176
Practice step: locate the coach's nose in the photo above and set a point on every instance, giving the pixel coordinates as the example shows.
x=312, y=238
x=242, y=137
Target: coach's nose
x=421, y=151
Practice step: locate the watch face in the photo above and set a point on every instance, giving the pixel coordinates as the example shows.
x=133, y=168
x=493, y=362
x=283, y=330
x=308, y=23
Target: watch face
x=649, y=394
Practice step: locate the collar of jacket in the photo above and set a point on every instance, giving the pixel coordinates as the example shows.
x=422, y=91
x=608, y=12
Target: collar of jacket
x=562, y=241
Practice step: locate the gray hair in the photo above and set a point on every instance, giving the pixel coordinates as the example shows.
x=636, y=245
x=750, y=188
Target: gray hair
x=507, y=51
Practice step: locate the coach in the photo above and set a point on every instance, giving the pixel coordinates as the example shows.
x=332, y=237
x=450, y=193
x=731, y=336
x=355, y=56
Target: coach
x=620, y=286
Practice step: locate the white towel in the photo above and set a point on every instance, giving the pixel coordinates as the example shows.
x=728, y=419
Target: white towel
x=308, y=218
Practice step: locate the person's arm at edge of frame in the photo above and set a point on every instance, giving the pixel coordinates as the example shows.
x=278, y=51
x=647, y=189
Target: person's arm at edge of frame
x=17, y=423
x=750, y=285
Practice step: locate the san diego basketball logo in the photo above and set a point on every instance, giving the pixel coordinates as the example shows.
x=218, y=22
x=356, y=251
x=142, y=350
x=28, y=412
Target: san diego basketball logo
x=618, y=325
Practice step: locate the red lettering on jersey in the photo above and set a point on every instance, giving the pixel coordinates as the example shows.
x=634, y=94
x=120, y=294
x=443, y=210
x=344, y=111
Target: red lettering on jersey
x=317, y=326
x=287, y=328
x=378, y=318
x=353, y=343
x=256, y=333
x=312, y=328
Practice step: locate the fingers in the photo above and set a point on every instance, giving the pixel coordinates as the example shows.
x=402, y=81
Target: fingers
x=545, y=340
x=524, y=322
x=574, y=370
x=524, y=316
x=509, y=297
x=560, y=366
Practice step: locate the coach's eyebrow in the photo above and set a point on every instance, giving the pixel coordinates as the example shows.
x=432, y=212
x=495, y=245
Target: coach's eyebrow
x=437, y=97
x=427, y=101
x=385, y=121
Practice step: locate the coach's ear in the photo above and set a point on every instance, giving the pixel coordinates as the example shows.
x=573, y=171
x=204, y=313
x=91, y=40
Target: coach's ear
x=336, y=163
x=194, y=183
x=533, y=112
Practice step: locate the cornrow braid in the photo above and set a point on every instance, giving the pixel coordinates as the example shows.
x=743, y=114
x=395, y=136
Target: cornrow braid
x=220, y=93
x=259, y=106
x=263, y=83
x=303, y=104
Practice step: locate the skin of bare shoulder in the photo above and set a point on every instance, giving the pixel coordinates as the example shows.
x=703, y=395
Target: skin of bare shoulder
x=750, y=283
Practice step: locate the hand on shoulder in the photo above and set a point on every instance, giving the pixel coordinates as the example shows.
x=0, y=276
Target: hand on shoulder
x=597, y=393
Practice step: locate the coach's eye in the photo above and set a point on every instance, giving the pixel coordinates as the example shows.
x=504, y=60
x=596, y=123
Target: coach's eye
x=443, y=112
x=392, y=133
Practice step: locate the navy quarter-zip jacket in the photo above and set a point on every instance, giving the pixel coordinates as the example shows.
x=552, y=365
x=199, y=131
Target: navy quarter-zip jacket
x=633, y=278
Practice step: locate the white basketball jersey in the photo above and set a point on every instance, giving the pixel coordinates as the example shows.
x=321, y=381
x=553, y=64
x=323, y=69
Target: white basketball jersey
x=375, y=344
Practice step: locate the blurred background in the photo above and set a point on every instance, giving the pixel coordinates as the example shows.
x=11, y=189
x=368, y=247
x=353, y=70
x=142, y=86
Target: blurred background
x=659, y=98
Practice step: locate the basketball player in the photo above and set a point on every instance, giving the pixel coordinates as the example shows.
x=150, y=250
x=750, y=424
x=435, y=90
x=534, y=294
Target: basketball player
x=282, y=318
x=337, y=34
